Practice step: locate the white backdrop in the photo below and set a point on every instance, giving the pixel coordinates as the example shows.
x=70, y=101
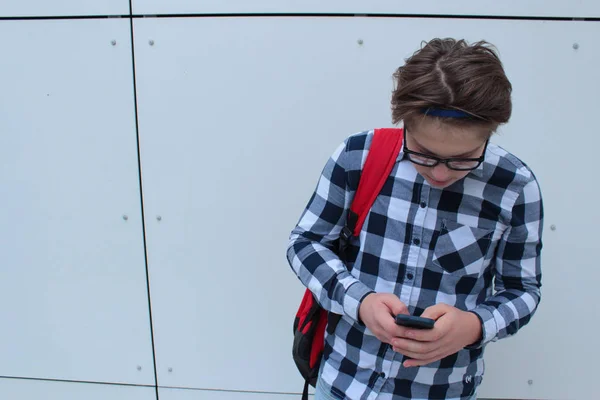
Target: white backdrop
x=236, y=119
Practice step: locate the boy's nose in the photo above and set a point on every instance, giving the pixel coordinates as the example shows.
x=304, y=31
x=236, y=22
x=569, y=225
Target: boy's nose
x=441, y=173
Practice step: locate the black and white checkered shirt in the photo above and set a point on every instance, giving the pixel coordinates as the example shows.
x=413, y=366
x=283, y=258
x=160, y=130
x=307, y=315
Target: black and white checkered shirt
x=474, y=245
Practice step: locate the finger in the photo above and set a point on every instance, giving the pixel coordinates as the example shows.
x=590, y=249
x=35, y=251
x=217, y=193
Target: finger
x=388, y=325
x=377, y=330
x=419, y=363
x=424, y=335
x=394, y=304
x=436, y=311
x=395, y=330
x=415, y=356
x=410, y=355
x=414, y=349
x=384, y=323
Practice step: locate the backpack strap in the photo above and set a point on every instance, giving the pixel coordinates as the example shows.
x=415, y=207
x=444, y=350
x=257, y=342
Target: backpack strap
x=381, y=159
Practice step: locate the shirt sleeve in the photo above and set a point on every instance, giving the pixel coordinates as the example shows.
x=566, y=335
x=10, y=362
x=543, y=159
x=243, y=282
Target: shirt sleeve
x=313, y=243
x=518, y=270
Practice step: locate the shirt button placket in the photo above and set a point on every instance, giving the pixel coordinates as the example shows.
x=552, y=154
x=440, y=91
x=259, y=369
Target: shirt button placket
x=416, y=239
x=386, y=367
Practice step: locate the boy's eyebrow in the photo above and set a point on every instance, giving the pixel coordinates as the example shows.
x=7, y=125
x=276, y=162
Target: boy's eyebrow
x=427, y=151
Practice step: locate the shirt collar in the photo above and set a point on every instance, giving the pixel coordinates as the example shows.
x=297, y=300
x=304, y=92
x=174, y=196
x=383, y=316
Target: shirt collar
x=401, y=153
x=479, y=170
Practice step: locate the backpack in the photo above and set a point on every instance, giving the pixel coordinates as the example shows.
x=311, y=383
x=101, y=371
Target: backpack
x=311, y=320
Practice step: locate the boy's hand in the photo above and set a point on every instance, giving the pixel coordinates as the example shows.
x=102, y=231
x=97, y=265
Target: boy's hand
x=454, y=329
x=378, y=312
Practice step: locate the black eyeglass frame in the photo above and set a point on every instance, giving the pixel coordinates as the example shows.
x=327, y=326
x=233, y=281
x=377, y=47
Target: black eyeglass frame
x=446, y=161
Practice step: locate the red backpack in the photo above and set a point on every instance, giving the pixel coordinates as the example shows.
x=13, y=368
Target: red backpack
x=311, y=320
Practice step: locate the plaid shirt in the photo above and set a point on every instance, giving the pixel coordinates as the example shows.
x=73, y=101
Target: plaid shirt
x=427, y=246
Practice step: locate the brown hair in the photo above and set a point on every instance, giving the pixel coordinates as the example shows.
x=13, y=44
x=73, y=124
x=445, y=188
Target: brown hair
x=451, y=74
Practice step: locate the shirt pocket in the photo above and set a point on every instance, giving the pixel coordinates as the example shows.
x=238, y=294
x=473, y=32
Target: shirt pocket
x=461, y=249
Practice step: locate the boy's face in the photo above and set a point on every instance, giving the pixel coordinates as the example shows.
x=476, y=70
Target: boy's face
x=430, y=136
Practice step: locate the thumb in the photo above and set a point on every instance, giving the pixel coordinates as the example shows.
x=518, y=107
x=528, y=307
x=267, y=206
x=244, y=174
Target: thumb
x=436, y=311
x=394, y=304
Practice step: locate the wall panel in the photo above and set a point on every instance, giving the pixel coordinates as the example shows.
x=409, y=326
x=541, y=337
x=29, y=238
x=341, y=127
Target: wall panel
x=24, y=389
x=532, y=8
x=72, y=272
x=44, y=8
x=238, y=116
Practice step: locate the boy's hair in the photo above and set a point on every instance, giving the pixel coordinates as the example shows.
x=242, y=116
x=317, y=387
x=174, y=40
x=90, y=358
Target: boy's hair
x=451, y=74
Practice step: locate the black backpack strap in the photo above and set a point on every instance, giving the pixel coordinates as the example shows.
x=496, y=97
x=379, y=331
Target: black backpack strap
x=305, y=391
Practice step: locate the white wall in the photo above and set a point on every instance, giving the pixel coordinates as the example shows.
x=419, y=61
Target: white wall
x=37, y=8
x=72, y=273
x=29, y=389
x=236, y=116
x=536, y=8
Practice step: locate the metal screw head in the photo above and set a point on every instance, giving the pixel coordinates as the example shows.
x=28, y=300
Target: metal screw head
x=575, y=46
x=151, y=42
x=553, y=227
x=125, y=217
x=114, y=42
x=139, y=367
x=158, y=218
x=360, y=42
x=530, y=381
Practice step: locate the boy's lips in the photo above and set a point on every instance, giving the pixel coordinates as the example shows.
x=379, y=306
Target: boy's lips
x=438, y=183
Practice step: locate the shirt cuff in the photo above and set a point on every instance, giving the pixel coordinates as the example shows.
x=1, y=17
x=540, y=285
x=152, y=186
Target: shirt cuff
x=489, y=329
x=354, y=296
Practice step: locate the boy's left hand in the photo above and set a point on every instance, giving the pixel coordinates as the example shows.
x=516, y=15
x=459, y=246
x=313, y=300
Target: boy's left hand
x=454, y=329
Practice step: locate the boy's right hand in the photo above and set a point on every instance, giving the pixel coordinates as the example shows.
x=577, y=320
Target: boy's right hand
x=378, y=312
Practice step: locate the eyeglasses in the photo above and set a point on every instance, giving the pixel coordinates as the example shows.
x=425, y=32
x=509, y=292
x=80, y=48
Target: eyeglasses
x=457, y=164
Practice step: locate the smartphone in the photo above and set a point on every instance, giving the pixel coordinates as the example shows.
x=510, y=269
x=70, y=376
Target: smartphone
x=414, y=322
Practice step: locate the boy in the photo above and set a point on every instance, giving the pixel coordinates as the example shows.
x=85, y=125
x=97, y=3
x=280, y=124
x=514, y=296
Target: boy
x=454, y=235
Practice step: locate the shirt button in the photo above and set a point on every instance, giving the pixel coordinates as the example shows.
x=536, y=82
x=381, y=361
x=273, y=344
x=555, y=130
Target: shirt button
x=416, y=241
x=409, y=276
x=423, y=204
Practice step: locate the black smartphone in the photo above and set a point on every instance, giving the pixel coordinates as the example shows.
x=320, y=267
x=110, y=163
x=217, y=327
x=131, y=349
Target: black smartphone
x=414, y=322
